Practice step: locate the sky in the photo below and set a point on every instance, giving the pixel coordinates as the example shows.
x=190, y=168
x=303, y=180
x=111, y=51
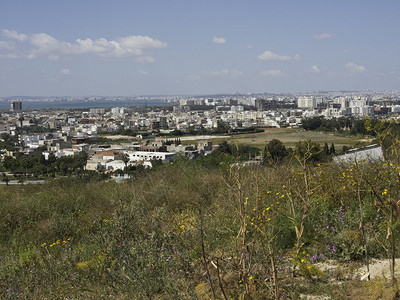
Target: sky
x=185, y=47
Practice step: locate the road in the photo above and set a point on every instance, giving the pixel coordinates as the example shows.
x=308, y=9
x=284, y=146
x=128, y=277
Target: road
x=25, y=182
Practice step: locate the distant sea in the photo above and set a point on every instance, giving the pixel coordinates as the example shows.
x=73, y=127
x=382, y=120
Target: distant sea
x=33, y=104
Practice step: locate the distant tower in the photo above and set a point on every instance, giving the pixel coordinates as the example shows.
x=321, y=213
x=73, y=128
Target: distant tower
x=16, y=106
x=262, y=104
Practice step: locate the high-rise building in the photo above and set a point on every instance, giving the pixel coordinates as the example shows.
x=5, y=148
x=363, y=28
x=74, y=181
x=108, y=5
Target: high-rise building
x=306, y=102
x=263, y=104
x=16, y=106
x=163, y=122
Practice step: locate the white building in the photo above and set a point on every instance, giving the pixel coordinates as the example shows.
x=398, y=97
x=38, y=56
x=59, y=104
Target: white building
x=115, y=165
x=372, y=152
x=148, y=156
x=307, y=102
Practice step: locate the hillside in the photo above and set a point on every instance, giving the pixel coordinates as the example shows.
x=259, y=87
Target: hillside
x=201, y=230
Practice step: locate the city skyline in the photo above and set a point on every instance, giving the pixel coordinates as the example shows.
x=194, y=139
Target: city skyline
x=183, y=47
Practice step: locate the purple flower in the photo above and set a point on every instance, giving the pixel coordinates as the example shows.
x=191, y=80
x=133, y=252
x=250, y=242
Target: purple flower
x=314, y=257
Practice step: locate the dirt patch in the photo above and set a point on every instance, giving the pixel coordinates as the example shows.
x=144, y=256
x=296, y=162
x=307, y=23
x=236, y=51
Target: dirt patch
x=380, y=268
x=120, y=137
x=290, y=136
x=202, y=137
x=377, y=268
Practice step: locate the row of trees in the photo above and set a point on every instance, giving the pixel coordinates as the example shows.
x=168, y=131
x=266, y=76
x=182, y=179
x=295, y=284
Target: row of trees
x=8, y=141
x=352, y=125
x=23, y=165
x=276, y=152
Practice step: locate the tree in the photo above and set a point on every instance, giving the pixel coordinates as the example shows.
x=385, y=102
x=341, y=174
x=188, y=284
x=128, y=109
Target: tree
x=6, y=180
x=358, y=127
x=224, y=147
x=276, y=149
x=125, y=159
x=79, y=161
x=309, y=150
x=332, y=150
x=312, y=123
x=326, y=149
x=51, y=159
x=222, y=127
x=9, y=163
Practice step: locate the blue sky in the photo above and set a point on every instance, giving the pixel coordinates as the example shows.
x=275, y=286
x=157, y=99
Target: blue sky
x=128, y=48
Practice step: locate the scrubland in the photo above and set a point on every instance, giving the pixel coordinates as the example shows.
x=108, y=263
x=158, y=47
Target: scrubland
x=207, y=229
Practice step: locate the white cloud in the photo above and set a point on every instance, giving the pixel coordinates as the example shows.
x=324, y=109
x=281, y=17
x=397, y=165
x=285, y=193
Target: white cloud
x=143, y=72
x=29, y=56
x=6, y=45
x=297, y=57
x=9, y=56
x=323, y=36
x=223, y=73
x=130, y=46
x=268, y=55
x=53, y=57
x=12, y=34
x=272, y=73
x=46, y=43
x=139, y=42
x=218, y=40
x=145, y=59
x=315, y=69
x=355, y=68
x=65, y=71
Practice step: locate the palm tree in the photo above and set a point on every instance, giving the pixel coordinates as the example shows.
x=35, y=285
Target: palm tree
x=125, y=159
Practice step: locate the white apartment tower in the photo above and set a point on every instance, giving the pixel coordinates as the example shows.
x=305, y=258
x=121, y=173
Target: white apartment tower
x=308, y=102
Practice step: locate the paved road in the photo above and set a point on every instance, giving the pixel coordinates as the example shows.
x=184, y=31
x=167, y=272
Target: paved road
x=25, y=182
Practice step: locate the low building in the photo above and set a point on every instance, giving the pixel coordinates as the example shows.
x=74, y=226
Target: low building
x=148, y=156
x=369, y=153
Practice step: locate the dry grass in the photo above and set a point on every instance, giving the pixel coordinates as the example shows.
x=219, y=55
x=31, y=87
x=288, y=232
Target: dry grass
x=289, y=136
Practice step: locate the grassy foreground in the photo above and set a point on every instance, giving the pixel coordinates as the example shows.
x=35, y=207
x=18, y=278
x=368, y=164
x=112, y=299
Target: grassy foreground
x=201, y=231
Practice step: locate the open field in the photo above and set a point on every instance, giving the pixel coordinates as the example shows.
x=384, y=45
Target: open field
x=289, y=136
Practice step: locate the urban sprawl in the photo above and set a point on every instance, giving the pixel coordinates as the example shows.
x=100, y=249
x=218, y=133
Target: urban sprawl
x=158, y=130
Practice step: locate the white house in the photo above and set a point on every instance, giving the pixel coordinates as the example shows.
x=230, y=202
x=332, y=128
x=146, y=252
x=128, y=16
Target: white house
x=148, y=156
x=115, y=164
